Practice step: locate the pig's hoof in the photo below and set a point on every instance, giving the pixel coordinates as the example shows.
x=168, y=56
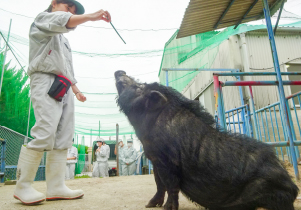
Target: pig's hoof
x=155, y=203
x=169, y=206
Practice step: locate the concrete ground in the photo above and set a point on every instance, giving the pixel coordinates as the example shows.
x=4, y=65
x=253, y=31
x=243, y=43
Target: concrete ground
x=114, y=193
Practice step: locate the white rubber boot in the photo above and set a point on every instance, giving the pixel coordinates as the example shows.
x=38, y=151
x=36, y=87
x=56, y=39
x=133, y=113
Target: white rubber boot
x=29, y=161
x=55, y=177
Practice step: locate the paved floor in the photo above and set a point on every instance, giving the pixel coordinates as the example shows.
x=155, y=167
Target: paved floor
x=116, y=193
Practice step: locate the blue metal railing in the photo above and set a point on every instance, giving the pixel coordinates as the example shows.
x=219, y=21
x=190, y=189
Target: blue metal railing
x=236, y=123
x=258, y=116
x=279, y=133
x=270, y=125
x=234, y=120
x=2, y=167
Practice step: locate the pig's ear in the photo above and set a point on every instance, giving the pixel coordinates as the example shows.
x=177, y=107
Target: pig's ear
x=155, y=100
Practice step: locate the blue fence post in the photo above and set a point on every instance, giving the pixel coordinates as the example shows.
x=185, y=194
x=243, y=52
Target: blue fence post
x=254, y=113
x=263, y=127
x=229, y=123
x=243, y=119
x=3, y=159
x=250, y=122
x=288, y=149
x=266, y=10
x=296, y=115
x=292, y=128
x=223, y=107
x=149, y=167
x=233, y=121
x=166, y=77
x=140, y=167
x=273, y=130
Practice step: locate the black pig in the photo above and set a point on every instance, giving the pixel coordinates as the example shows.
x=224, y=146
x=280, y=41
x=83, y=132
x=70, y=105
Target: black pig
x=217, y=170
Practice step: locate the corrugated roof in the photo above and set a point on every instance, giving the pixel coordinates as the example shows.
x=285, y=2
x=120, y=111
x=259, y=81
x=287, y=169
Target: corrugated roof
x=207, y=15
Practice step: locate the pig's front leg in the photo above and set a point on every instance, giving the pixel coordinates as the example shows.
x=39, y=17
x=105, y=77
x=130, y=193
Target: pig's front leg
x=158, y=198
x=172, y=183
x=172, y=202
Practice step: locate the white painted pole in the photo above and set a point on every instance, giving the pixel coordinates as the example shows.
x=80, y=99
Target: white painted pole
x=5, y=56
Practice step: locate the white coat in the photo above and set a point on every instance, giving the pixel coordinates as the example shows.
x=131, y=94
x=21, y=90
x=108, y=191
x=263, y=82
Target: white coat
x=100, y=166
x=128, y=161
x=119, y=159
x=70, y=166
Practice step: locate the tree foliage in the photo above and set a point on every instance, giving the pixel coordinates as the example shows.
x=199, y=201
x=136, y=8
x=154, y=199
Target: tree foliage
x=14, y=99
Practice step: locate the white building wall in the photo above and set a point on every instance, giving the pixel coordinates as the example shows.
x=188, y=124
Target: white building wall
x=288, y=47
x=228, y=57
x=260, y=59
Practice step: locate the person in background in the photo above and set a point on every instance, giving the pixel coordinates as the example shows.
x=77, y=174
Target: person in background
x=107, y=147
x=94, y=159
x=71, y=160
x=121, y=147
x=128, y=159
x=101, y=159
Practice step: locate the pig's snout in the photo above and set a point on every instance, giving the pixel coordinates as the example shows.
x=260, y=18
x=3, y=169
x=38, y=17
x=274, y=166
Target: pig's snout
x=121, y=80
x=119, y=73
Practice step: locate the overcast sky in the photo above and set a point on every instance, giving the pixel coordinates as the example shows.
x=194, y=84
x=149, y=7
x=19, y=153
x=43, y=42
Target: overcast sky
x=138, y=22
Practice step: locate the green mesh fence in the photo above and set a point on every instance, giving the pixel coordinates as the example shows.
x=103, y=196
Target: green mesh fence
x=179, y=53
x=81, y=159
x=14, y=105
x=14, y=142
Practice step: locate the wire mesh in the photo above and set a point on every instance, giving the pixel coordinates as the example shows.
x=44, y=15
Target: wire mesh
x=14, y=141
x=197, y=51
x=83, y=165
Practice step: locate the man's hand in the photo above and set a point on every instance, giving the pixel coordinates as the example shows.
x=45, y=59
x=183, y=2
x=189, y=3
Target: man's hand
x=81, y=97
x=78, y=94
x=100, y=15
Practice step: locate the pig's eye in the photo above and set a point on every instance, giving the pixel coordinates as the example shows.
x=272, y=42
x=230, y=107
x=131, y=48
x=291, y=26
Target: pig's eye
x=139, y=90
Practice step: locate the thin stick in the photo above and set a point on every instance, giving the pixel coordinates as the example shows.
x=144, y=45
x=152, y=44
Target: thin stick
x=117, y=32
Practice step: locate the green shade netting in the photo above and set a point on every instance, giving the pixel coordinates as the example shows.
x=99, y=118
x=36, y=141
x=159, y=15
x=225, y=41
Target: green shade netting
x=100, y=108
x=79, y=166
x=179, y=53
x=99, y=115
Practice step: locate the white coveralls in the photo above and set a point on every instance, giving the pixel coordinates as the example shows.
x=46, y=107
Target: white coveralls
x=119, y=159
x=138, y=161
x=129, y=156
x=108, y=156
x=50, y=55
x=70, y=166
x=100, y=166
